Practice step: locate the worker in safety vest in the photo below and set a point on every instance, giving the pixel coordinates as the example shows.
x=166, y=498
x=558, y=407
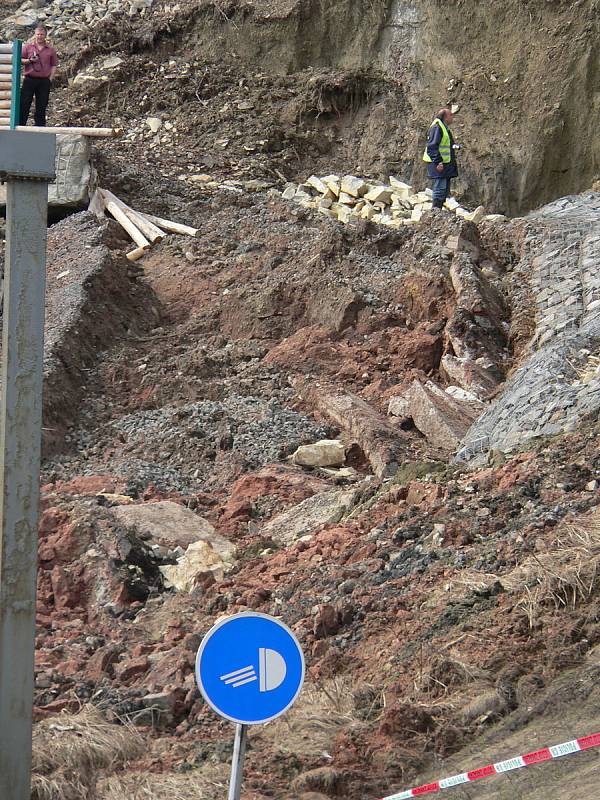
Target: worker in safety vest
x=440, y=156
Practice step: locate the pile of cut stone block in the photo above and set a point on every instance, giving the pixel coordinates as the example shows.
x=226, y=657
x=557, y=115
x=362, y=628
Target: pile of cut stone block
x=394, y=203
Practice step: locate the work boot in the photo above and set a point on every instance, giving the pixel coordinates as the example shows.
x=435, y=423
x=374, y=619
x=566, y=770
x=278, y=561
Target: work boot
x=438, y=204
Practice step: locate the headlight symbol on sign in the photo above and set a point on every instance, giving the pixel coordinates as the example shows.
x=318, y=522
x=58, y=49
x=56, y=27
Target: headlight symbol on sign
x=271, y=672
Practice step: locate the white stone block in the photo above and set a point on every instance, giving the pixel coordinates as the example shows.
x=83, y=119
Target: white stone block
x=318, y=184
x=353, y=185
x=380, y=194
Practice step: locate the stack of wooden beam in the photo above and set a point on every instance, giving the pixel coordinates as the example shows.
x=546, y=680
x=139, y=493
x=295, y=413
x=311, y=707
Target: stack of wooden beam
x=144, y=229
x=6, y=79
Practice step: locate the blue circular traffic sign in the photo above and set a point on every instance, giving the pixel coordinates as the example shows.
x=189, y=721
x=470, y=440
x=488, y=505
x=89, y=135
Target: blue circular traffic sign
x=250, y=668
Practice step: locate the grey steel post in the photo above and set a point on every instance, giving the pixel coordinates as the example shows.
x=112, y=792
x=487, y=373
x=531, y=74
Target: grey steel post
x=27, y=165
x=237, y=763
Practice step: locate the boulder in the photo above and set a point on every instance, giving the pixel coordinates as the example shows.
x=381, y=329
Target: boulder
x=326, y=453
x=200, y=564
x=478, y=215
x=333, y=183
x=347, y=199
x=310, y=515
x=443, y=420
x=400, y=188
x=385, y=445
x=470, y=375
x=399, y=407
x=172, y=525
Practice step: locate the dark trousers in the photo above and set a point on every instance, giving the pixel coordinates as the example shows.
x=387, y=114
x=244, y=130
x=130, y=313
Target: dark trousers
x=441, y=191
x=40, y=89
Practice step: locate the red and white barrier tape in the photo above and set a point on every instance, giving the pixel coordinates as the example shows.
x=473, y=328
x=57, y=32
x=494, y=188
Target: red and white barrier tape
x=546, y=754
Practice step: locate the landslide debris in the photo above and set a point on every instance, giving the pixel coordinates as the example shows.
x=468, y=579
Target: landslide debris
x=435, y=604
x=444, y=611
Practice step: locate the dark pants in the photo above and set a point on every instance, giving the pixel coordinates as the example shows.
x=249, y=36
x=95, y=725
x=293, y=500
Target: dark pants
x=441, y=191
x=40, y=89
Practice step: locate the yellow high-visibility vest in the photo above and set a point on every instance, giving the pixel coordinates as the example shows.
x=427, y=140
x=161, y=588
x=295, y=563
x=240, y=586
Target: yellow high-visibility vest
x=444, y=146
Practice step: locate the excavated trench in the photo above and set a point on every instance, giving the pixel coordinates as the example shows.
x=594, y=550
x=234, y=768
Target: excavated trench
x=527, y=82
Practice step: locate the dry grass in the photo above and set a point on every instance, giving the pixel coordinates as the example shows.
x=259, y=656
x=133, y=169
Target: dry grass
x=562, y=576
x=69, y=750
x=321, y=712
x=565, y=575
x=206, y=783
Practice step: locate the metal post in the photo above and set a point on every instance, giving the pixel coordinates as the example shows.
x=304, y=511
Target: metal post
x=27, y=169
x=15, y=104
x=237, y=763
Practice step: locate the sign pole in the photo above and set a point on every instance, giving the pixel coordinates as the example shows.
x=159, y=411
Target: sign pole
x=27, y=169
x=250, y=670
x=237, y=763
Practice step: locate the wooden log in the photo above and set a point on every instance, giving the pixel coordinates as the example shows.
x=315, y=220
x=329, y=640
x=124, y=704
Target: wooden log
x=134, y=255
x=172, y=227
x=6, y=47
x=5, y=69
x=105, y=133
x=5, y=94
x=149, y=229
x=5, y=58
x=127, y=225
x=5, y=103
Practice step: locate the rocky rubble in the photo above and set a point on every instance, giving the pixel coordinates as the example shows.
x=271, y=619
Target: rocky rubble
x=63, y=17
x=393, y=204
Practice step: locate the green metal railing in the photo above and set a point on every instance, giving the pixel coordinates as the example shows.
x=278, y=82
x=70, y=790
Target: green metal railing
x=15, y=97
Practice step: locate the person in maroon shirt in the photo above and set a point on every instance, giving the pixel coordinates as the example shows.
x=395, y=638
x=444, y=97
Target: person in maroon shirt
x=39, y=65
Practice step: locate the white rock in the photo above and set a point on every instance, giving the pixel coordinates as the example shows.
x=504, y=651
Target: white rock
x=333, y=183
x=400, y=188
x=344, y=214
x=379, y=194
x=353, y=185
x=462, y=394
x=347, y=199
x=368, y=212
x=478, y=214
x=495, y=218
x=111, y=62
x=197, y=560
x=154, y=123
x=317, y=184
x=326, y=453
x=452, y=204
